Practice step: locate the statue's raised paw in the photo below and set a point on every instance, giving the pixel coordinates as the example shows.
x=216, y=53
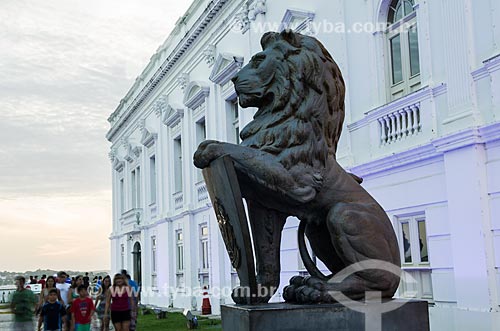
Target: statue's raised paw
x=207, y=151
x=205, y=143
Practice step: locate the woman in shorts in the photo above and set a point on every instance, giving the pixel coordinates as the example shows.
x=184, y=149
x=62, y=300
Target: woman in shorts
x=118, y=301
x=100, y=303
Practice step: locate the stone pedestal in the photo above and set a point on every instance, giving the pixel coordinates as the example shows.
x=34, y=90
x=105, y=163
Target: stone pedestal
x=408, y=315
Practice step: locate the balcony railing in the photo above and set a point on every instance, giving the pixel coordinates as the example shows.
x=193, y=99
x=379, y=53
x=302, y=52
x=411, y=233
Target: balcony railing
x=397, y=126
x=201, y=192
x=400, y=124
x=178, y=200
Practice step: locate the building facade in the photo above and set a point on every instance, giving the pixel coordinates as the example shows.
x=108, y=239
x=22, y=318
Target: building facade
x=422, y=128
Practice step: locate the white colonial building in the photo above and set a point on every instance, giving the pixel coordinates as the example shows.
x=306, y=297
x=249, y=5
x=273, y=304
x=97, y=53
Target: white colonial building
x=422, y=128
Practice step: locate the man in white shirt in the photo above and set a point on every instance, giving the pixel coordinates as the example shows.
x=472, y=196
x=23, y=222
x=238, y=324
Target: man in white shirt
x=63, y=288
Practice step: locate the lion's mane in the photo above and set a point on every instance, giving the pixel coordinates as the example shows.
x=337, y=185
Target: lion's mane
x=304, y=121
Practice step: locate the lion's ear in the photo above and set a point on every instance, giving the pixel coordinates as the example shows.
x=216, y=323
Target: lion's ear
x=268, y=38
x=291, y=37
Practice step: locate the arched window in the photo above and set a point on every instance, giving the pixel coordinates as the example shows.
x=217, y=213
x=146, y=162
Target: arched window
x=402, y=36
x=399, y=9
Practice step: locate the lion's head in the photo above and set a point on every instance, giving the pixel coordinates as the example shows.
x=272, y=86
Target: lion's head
x=299, y=91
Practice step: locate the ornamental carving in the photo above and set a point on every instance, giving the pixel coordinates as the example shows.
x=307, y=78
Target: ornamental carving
x=227, y=232
x=112, y=155
x=209, y=55
x=183, y=80
x=249, y=12
x=257, y=8
x=160, y=105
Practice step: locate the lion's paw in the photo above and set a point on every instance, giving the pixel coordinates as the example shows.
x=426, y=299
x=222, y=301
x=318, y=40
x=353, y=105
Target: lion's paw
x=207, y=151
x=307, y=290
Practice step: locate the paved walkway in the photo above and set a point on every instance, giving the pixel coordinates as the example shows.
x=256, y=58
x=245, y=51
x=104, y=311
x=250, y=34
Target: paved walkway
x=6, y=323
x=5, y=319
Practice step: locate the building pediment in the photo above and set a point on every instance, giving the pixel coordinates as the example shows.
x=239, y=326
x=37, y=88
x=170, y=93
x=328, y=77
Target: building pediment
x=173, y=115
x=196, y=92
x=225, y=67
x=298, y=20
x=148, y=137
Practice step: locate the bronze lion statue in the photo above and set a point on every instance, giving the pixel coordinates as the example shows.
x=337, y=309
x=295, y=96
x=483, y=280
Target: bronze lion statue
x=286, y=166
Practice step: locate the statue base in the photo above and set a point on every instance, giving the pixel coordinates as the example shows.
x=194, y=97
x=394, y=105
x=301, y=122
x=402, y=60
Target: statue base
x=408, y=315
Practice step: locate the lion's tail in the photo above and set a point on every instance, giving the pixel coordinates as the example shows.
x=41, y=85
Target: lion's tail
x=304, y=254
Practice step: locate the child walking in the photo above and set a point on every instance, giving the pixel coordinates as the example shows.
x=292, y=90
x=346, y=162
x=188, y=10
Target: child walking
x=51, y=313
x=82, y=310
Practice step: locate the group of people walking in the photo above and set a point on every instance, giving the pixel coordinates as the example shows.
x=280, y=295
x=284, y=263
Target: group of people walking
x=66, y=306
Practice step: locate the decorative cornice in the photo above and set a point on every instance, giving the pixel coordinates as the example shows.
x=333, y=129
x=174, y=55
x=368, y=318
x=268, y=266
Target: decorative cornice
x=196, y=93
x=493, y=63
x=457, y=140
x=209, y=55
x=489, y=66
x=225, y=67
x=490, y=133
x=120, y=116
x=395, y=161
x=173, y=115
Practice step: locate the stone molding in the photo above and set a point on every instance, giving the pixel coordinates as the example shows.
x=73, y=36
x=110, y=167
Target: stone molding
x=209, y=55
x=225, y=67
x=148, y=138
x=195, y=94
x=183, y=80
x=486, y=134
x=173, y=115
x=303, y=27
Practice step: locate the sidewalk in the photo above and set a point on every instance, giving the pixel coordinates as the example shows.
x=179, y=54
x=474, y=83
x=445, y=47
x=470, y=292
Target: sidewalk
x=5, y=319
x=6, y=322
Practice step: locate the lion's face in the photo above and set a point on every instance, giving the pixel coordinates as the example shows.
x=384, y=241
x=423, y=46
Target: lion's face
x=253, y=80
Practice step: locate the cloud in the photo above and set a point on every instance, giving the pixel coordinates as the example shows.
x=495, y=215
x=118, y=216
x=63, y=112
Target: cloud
x=64, y=67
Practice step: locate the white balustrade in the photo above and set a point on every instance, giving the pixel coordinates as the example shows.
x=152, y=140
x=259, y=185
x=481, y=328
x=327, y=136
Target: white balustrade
x=400, y=124
x=178, y=200
x=201, y=191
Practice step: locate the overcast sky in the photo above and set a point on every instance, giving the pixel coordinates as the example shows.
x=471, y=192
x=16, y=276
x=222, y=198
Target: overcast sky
x=64, y=66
